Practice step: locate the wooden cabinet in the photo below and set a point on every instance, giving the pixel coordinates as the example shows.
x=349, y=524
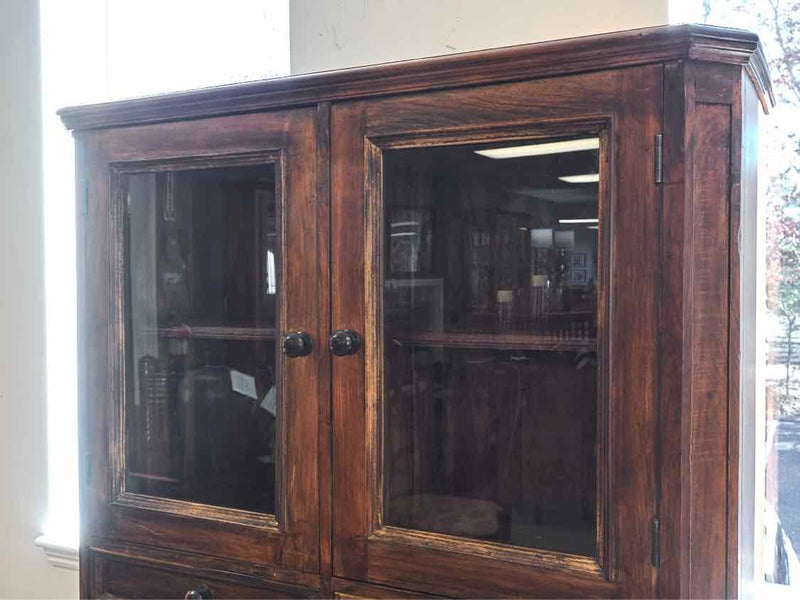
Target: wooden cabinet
x=464, y=326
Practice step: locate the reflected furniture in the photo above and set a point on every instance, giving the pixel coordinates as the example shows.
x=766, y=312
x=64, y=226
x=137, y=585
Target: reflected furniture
x=469, y=326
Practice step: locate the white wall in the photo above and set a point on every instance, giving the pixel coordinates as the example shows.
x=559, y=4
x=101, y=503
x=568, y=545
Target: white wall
x=24, y=570
x=331, y=34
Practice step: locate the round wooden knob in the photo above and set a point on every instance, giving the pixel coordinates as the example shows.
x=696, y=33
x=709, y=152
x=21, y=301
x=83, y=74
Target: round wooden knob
x=297, y=344
x=344, y=342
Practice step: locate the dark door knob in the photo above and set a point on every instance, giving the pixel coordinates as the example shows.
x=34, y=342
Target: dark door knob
x=201, y=592
x=344, y=342
x=297, y=344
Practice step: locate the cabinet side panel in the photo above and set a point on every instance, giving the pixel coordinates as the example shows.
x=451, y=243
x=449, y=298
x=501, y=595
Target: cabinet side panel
x=709, y=350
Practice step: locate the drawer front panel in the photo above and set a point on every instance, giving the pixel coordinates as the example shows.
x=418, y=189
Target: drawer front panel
x=116, y=577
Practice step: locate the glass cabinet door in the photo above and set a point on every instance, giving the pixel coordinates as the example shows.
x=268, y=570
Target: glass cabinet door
x=490, y=321
x=198, y=239
x=202, y=286
x=506, y=289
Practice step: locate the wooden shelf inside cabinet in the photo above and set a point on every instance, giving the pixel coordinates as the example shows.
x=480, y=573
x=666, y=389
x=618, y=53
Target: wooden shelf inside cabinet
x=216, y=332
x=495, y=341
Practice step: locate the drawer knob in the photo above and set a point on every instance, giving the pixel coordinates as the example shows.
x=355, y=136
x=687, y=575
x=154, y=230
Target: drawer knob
x=344, y=342
x=201, y=592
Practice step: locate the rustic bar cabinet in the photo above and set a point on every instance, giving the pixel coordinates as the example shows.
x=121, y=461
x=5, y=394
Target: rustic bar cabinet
x=470, y=326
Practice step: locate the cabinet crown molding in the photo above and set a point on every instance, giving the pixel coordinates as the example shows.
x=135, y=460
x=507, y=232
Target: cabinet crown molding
x=513, y=63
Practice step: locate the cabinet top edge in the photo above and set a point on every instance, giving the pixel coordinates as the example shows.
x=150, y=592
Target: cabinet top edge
x=512, y=63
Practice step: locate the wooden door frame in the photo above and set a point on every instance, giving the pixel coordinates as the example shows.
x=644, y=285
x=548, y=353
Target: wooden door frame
x=288, y=542
x=422, y=561
x=600, y=126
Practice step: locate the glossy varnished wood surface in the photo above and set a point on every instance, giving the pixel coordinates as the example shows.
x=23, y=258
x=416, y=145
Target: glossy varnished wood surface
x=545, y=59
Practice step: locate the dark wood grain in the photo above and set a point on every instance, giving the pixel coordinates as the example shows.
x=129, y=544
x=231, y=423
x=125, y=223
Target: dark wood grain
x=699, y=376
x=545, y=59
x=634, y=325
x=673, y=461
x=389, y=563
x=350, y=504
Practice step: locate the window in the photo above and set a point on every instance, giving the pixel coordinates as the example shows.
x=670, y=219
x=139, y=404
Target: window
x=770, y=509
x=99, y=50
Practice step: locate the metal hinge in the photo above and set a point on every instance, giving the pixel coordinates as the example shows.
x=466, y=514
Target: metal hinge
x=658, y=157
x=84, y=199
x=655, y=530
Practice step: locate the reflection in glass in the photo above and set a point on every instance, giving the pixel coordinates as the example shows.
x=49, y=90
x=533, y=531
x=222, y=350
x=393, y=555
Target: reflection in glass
x=201, y=288
x=490, y=329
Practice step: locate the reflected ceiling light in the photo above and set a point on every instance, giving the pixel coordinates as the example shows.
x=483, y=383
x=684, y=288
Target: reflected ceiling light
x=540, y=149
x=592, y=227
x=577, y=221
x=587, y=178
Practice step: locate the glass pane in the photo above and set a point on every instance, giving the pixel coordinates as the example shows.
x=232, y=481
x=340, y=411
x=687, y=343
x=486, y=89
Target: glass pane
x=490, y=329
x=202, y=289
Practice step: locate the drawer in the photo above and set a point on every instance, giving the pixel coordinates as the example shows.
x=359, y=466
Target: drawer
x=118, y=577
